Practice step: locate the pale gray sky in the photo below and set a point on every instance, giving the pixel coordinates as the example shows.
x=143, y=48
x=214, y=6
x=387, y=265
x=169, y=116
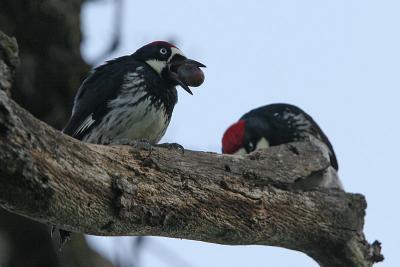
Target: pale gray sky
x=338, y=60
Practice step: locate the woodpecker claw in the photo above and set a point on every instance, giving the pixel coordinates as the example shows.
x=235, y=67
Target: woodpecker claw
x=142, y=144
x=172, y=146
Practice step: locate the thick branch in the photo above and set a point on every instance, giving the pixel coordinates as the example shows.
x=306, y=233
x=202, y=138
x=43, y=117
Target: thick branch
x=215, y=198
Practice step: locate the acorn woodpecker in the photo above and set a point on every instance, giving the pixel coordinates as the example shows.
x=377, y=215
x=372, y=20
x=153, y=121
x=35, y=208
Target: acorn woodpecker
x=132, y=97
x=278, y=124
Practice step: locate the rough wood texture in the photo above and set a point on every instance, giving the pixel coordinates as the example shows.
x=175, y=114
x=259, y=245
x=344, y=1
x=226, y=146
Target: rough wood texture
x=8, y=61
x=120, y=190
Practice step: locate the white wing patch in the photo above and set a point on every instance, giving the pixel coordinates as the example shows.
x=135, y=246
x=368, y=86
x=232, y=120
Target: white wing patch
x=85, y=124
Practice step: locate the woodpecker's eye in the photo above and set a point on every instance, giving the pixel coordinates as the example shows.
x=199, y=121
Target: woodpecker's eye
x=163, y=51
x=250, y=146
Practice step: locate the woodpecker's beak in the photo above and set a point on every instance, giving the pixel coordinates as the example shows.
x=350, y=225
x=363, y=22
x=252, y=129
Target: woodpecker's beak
x=186, y=72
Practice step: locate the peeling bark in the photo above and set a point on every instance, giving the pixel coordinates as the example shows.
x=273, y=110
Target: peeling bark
x=119, y=190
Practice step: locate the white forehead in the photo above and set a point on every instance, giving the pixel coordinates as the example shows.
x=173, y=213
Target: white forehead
x=175, y=51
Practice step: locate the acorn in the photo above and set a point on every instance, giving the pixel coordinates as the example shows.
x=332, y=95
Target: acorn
x=190, y=75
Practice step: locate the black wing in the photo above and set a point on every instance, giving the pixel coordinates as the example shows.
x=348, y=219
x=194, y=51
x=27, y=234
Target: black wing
x=96, y=91
x=268, y=111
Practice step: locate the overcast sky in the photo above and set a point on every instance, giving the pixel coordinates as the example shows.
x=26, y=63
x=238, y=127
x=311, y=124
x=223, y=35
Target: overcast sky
x=338, y=60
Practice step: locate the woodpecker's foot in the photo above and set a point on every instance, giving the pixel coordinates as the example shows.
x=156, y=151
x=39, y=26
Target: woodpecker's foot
x=141, y=144
x=172, y=146
x=65, y=236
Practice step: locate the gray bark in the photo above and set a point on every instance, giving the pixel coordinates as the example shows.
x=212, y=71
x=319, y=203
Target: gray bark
x=120, y=190
x=24, y=242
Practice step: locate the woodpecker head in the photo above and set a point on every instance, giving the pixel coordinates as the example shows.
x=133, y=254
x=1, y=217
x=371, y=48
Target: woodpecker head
x=167, y=61
x=245, y=136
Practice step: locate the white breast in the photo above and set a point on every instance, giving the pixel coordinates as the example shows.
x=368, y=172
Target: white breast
x=131, y=116
x=144, y=121
x=141, y=121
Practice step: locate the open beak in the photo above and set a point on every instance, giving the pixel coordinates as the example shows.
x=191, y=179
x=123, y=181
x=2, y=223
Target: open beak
x=178, y=61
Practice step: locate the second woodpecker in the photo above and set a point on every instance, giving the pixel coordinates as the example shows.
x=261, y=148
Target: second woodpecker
x=278, y=124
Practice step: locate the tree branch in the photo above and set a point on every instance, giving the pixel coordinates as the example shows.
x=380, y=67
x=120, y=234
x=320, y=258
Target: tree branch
x=104, y=190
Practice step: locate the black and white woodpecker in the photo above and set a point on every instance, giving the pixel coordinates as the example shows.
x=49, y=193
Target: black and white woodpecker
x=131, y=98
x=278, y=124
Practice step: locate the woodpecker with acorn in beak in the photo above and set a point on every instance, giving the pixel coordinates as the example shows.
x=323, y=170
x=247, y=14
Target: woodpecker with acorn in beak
x=278, y=124
x=131, y=98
